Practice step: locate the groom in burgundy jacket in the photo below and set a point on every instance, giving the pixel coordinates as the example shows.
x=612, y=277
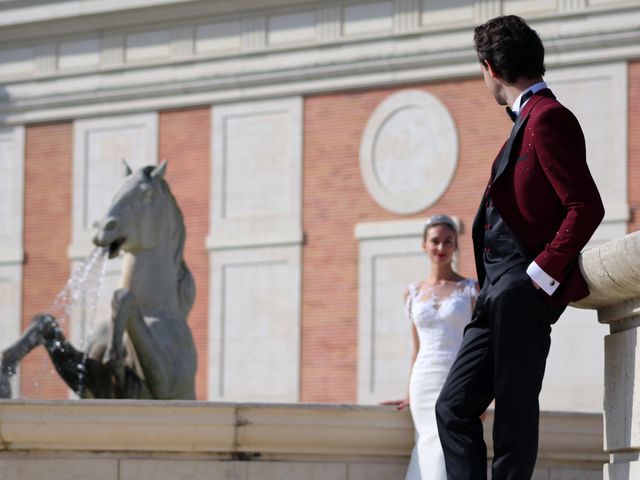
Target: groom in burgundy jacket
x=538, y=211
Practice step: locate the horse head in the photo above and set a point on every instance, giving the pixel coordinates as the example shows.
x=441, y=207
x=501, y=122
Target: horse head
x=134, y=219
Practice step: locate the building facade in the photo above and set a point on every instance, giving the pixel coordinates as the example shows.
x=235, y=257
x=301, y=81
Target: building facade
x=307, y=143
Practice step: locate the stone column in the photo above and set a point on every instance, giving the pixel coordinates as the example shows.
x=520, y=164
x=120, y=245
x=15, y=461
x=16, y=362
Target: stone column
x=612, y=271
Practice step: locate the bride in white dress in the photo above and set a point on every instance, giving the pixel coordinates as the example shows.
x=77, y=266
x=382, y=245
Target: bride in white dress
x=439, y=308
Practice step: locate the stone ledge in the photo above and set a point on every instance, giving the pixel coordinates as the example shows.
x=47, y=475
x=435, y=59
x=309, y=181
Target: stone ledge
x=156, y=440
x=177, y=426
x=276, y=430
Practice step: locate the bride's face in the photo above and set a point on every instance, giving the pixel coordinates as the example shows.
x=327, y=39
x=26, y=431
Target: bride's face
x=440, y=244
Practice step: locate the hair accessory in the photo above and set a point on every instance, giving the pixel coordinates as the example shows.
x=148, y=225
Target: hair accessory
x=441, y=220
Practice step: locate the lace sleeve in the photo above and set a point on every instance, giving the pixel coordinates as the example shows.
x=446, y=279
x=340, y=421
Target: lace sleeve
x=471, y=288
x=409, y=301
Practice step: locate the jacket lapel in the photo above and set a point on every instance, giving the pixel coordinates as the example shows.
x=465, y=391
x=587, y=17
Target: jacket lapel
x=506, y=153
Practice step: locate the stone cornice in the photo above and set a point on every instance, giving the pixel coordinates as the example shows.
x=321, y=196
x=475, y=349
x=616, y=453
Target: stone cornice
x=30, y=19
x=115, y=70
x=24, y=20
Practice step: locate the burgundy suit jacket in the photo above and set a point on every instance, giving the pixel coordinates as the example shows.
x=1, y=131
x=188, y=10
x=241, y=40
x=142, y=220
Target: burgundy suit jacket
x=546, y=194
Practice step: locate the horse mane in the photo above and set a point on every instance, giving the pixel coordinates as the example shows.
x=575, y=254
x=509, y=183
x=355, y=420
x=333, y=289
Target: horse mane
x=186, y=288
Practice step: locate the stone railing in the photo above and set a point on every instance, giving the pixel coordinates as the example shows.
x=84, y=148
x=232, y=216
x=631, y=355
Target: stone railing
x=612, y=271
x=157, y=440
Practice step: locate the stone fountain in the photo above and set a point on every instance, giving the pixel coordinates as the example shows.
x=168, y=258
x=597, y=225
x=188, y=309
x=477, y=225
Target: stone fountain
x=146, y=350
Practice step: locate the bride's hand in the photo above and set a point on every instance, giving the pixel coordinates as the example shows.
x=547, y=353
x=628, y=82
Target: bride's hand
x=401, y=404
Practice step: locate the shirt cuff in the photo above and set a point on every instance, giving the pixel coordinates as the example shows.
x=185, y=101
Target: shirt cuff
x=545, y=281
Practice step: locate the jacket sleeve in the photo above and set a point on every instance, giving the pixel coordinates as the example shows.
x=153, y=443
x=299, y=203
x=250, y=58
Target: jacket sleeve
x=560, y=148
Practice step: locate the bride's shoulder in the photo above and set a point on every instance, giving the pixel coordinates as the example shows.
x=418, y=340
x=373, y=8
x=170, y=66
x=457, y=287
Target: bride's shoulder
x=470, y=286
x=411, y=289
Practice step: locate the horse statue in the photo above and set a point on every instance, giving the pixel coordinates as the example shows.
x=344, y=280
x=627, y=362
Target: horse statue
x=146, y=350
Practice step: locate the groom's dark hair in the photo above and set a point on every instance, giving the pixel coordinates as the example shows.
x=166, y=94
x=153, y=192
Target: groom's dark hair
x=512, y=48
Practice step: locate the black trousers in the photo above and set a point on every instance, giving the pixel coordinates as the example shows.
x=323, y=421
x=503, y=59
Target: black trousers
x=503, y=356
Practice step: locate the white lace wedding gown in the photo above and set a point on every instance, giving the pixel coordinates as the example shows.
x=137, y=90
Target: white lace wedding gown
x=440, y=323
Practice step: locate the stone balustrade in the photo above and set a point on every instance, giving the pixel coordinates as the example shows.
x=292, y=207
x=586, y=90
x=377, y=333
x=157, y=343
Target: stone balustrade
x=612, y=271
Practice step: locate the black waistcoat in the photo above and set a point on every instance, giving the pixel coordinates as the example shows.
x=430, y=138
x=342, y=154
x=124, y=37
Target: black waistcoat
x=501, y=249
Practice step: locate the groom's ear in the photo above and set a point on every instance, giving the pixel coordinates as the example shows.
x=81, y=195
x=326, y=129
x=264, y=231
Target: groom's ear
x=489, y=68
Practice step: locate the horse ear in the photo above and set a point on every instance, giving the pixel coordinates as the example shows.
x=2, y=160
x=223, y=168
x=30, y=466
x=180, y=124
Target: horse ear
x=126, y=169
x=159, y=171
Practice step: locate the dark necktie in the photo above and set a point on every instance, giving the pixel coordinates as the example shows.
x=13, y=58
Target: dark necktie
x=513, y=115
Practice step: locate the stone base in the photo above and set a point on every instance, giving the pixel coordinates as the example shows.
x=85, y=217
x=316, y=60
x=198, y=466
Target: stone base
x=74, y=468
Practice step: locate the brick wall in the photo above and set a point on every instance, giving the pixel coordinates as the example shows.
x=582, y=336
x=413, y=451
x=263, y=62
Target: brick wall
x=634, y=145
x=47, y=234
x=185, y=143
x=335, y=199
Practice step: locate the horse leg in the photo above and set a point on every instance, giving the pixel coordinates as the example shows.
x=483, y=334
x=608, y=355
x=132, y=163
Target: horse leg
x=87, y=377
x=84, y=376
x=11, y=357
x=154, y=361
x=128, y=384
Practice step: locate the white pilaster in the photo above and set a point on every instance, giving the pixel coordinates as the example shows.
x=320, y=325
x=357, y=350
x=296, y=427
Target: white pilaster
x=11, y=238
x=389, y=258
x=255, y=246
